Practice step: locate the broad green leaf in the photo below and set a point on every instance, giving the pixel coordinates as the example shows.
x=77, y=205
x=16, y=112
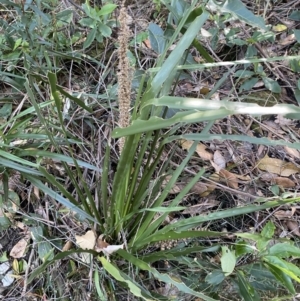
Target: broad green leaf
x=262, y=244
x=295, y=15
x=156, y=37
x=215, y=277
x=295, y=65
x=65, y=15
x=5, y=223
x=228, y=261
x=107, y=9
x=284, y=250
x=243, y=73
x=242, y=248
x=90, y=38
x=272, y=85
x=104, y=29
x=246, y=290
x=237, y=8
x=3, y=257
x=297, y=34
x=297, y=95
x=281, y=276
x=88, y=22
x=251, y=236
x=288, y=268
x=268, y=230
x=248, y=84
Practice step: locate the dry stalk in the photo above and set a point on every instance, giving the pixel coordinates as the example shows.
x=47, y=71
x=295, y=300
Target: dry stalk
x=124, y=74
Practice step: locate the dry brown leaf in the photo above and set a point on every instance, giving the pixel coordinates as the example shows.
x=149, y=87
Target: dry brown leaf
x=284, y=182
x=288, y=40
x=284, y=214
x=106, y=248
x=294, y=227
x=175, y=189
x=211, y=186
x=68, y=245
x=268, y=177
x=219, y=160
x=230, y=178
x=277, y=166
x=18, y=250
x=243, y=178
x=86, y=241
x=199, y=188
x=200, y=149
x=292, y=152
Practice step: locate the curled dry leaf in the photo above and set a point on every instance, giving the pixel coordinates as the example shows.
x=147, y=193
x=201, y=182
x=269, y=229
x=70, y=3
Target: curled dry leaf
x=18, y=250
x=175, y=189
x=284, y=182
x=277, y=166
x=219, y=160
x=230, y=178
x=284, y=214
x=292, y=152
x=68, y=245
x=288, y=40
x=86, y=241
x=106, y=248
x=198, y=188
x=200, y=149
x=294, y=227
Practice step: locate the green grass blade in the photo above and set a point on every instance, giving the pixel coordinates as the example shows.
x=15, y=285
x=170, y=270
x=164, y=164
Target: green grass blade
x=155, y=224
x=145, y=227
x=172, y=61
x=59, y=157
x=175, y=253
x=173, y=235
x=162, y=277
x=229, y=63
x=118, y=275
x=195, y=221
x=156, y=123
x=15, y=166
x=104, y=184
x=235, y=107
x=53, y=194
x=209, y=137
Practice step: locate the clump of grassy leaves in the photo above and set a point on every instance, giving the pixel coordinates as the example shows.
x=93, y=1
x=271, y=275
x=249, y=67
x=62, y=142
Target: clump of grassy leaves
x=133, y=211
